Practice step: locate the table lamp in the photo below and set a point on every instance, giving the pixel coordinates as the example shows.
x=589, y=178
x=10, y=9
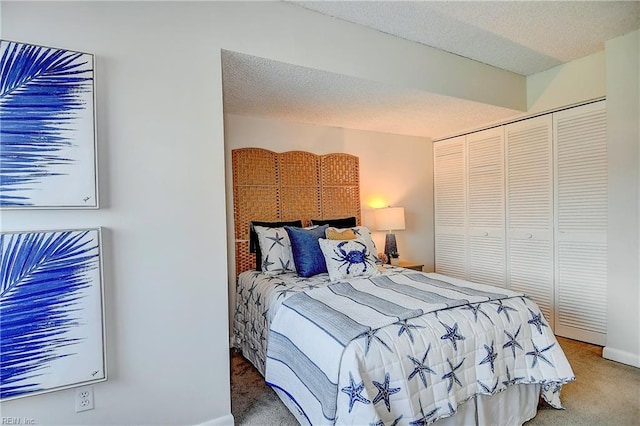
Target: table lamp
x=390, y=219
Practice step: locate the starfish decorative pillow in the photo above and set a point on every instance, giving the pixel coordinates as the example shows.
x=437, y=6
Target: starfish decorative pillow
x=277, y=257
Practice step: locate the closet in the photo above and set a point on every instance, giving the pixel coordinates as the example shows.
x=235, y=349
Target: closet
x=469, y=207
x=524, y=206
x=485, y=207
x=529, y=200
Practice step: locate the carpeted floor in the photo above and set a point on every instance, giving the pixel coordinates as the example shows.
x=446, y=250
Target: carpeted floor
x=604, y=393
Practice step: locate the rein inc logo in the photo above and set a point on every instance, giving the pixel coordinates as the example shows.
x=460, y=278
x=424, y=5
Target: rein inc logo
x=17, y=421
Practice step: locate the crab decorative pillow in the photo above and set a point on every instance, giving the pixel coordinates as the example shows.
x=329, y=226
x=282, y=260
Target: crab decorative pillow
x=360, y=232
x=347, y=258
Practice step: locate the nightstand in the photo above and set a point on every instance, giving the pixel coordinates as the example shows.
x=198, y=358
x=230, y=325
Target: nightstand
x=411, y=265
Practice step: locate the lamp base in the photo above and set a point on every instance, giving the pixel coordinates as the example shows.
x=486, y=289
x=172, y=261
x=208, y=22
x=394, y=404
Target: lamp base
x=390, y=247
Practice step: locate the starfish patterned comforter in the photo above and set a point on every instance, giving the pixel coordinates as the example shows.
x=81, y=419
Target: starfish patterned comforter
x=402, y=347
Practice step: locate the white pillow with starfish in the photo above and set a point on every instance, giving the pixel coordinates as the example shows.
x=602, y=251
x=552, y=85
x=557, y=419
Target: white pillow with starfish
x=277, y=257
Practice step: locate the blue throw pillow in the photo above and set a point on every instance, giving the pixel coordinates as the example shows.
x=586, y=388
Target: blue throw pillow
x=307, y=254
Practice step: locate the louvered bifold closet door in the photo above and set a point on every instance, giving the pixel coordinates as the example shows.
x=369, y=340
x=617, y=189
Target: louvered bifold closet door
x=485, y=207
x=581, y=222
x=450, y=206
x=529, y=174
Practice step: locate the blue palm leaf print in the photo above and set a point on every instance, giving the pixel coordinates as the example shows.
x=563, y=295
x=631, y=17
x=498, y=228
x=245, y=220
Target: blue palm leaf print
x=41, y=92
x=42, y=276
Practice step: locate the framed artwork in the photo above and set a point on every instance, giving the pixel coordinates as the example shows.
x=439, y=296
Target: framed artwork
x=51, y=311
x=47, y=128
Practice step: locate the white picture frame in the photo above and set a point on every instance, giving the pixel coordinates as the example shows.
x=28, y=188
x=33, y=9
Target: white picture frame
x=48, y=151
x=51, y=311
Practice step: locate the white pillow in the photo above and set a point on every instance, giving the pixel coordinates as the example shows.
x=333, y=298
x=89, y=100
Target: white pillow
x=347, y=258
x=364, y=233
x=277, y=257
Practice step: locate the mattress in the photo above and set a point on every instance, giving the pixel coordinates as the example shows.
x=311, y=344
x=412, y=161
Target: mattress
x=403, y=347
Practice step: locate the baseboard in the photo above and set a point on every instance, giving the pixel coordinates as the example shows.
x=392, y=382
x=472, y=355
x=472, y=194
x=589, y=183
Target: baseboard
x=621, y=356
x=220, y=421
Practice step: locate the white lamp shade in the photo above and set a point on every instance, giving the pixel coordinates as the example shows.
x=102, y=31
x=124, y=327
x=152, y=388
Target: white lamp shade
x=390, y=218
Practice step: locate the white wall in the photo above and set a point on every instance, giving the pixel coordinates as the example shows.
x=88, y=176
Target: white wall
x=162, y=181
x=614, y=73
x=574, y=82
x=623, y=135
x=395, y=170
x=161, y=165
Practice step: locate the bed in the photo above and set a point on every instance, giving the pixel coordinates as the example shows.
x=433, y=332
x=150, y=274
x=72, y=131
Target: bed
x=379, y=345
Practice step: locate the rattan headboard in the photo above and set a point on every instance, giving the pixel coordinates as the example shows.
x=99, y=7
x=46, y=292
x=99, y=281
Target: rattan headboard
x=271, y=186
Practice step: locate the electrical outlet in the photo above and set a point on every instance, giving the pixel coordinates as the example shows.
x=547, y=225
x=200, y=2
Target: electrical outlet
x=84, y=398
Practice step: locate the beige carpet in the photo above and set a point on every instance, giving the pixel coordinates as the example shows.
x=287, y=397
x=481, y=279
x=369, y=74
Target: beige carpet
x=604, y=393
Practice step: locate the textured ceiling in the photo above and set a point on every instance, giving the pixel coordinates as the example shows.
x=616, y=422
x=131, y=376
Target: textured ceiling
x=525, y=37
x=520, y=36
x=271, y=89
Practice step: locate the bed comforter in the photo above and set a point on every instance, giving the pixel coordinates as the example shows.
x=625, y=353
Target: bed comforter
x=407, y=348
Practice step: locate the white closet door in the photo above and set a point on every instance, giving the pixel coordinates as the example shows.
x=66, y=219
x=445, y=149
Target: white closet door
x=485, y=207
x=450, y=206
x=581, y=222
x=529, y=196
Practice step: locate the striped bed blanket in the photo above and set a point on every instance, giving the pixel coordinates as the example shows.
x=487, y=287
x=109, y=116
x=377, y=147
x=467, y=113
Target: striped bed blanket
x=408, y=348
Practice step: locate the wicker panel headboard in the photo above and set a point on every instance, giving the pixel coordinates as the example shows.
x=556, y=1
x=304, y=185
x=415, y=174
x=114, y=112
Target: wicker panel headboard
x=271, y=186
